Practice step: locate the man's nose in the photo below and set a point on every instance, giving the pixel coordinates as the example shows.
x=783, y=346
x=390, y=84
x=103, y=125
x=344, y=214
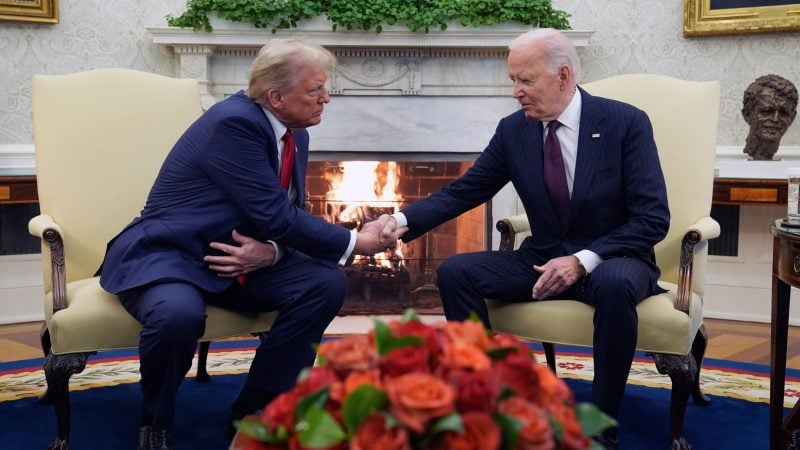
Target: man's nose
x=325, y=97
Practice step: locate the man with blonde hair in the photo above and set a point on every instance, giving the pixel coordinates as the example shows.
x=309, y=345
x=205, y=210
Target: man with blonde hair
x=237, y=173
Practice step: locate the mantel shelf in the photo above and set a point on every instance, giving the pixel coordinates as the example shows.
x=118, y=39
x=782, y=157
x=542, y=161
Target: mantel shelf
x=496, y=37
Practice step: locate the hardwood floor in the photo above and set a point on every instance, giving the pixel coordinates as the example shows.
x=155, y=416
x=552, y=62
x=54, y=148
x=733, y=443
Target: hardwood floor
x=729, y=340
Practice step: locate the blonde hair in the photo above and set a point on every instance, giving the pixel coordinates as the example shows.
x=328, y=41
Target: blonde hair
x=559, y=50
x=278, y=62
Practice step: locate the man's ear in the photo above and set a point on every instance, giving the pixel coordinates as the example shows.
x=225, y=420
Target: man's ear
x=274, y=98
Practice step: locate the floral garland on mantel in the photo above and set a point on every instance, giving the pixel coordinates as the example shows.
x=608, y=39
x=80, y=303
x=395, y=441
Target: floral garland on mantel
x=367, y=15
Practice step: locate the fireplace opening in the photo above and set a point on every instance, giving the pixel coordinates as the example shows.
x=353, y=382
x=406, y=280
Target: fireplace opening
x=350, y=193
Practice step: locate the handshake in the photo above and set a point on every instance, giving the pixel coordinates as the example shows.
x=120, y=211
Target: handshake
x=378, y=235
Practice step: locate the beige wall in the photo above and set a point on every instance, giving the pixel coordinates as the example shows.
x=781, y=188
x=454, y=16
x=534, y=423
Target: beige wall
x=630, y=36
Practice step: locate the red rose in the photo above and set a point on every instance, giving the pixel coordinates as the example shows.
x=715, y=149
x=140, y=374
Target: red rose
x=280, y=411
x=317, y=378
x=373, y=434
x=351, y=352
x=477, y=391
x=536, y=433
x=434, y=336
x=498, y=341
x=415, y=398
x=518, y=371
x=413, y=358
x=481, y=432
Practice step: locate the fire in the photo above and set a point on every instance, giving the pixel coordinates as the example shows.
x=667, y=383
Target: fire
x=351, y=202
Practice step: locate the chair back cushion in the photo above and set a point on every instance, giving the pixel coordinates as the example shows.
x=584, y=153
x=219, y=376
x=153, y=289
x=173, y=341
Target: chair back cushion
x=684, y=117
x=100, y=138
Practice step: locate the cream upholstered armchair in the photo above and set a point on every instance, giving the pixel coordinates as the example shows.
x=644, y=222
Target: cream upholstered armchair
x=684, y=116
x=100, y=138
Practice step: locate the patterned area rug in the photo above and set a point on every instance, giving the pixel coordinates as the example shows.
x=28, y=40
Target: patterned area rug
x=108, y=390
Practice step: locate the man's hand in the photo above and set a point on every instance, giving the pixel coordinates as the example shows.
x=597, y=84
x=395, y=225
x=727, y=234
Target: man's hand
x=250, y=255
x=378, y=235
x=557, y=275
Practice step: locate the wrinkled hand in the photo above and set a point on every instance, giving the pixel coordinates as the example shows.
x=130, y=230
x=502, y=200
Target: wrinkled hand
x=377, y=236
x=391, y=233
x=250, y=255
x=558, y=274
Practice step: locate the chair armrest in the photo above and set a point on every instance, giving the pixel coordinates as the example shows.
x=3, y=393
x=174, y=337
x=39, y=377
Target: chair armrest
x=701, y=231
x=41, y=223
x=48, y=230
x=509, y=227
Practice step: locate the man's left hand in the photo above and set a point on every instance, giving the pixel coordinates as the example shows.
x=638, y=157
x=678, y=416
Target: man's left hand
x=558, y=274
x=250, y=255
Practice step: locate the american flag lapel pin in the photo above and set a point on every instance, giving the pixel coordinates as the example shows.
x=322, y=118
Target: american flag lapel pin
x=595, y=135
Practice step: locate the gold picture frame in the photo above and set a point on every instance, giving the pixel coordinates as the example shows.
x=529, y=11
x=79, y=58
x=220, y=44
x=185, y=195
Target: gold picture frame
x=703, y=18
x=41, y=11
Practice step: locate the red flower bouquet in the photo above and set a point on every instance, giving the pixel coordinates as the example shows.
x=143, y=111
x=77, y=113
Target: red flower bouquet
x=407, y=385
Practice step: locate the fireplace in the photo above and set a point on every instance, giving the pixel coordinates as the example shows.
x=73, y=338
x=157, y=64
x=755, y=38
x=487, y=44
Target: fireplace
x=351, y=192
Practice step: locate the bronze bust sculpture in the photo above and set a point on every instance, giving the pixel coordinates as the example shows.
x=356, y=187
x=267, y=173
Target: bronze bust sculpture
x=769, y=107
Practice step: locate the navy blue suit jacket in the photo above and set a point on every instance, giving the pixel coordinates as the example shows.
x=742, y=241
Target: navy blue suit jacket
x=619, y=200
x=221, y=175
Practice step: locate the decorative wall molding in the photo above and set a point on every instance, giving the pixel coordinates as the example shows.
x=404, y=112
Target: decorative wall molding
x=17, y=159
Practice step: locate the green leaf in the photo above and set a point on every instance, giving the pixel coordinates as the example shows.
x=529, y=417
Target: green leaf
x=314, y=400
x=410, y=315
x=450, y=422
x=256, y=430
x=500, y=352
x=386, y=342
x=592, y=419
x=318, y=429
x=510, y=427
x=362, y=403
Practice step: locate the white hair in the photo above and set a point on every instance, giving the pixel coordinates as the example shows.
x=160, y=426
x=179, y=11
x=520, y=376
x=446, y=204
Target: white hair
x=558, y=48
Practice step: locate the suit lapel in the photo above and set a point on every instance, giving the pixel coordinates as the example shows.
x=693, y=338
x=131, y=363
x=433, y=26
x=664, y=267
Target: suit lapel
x=590, y=151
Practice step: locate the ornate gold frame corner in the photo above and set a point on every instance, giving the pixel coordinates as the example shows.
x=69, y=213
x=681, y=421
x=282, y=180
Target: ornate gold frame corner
x=40, y=11
x=699, y=19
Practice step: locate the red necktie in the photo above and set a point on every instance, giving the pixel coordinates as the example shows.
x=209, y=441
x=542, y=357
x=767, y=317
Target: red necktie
x=555, y=176
x=287, y=163
x=287, y=159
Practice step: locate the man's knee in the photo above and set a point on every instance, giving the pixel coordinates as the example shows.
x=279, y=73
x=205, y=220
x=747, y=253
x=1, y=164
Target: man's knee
x=454, y=267
x=179, y=320
x=332, y=282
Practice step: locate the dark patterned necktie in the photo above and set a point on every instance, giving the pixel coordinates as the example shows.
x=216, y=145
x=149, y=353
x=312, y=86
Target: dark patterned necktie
x=555, y=176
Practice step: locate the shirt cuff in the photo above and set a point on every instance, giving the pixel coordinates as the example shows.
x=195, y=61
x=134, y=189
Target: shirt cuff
x=401, y=219
x=278, y=251
x=346, y=257
x=589, y=260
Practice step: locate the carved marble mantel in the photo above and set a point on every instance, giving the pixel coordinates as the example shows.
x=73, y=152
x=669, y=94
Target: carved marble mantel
x=450, y=87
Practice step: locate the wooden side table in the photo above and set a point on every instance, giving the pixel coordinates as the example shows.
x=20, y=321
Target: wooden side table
x=18, y=189
x=785, y=274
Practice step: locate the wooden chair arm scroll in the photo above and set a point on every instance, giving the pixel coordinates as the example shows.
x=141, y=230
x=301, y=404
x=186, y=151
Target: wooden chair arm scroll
x=509, y=227
x=44, y=227
x=701, y=231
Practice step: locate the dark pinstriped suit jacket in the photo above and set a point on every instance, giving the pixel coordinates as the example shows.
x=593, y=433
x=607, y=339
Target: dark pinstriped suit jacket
x=619, y=201
x=220, y=175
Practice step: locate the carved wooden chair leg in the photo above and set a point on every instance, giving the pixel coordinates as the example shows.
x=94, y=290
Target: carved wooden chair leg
x=550, y=355
x=698, y=351
x=681, y=370
x=44, y=338
x=57, y=370
x=202, y=361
